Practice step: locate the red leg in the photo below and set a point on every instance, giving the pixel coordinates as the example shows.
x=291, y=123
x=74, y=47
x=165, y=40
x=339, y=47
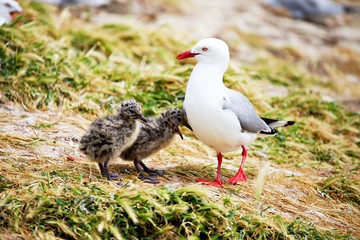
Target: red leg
x=240, y=175
x=217, y=182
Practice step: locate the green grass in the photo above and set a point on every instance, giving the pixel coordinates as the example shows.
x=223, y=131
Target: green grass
x=88, y=211
x=93, y=64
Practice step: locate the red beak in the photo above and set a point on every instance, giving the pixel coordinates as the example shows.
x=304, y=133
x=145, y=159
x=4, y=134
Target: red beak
x=186, y=54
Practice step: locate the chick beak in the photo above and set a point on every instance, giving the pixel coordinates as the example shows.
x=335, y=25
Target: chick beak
x=179, y=132
x=141, y=117
x=186, y=124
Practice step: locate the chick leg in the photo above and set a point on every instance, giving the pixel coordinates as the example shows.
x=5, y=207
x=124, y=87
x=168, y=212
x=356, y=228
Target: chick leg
x=105, y=171
x=149, y=179
x=149, y=171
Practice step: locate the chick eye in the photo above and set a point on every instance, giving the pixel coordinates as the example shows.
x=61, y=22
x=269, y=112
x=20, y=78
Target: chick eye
x=131, y=111
x=204, y=49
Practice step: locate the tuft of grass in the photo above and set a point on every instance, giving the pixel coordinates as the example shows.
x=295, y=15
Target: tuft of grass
x=259, y=184
x=341, y=188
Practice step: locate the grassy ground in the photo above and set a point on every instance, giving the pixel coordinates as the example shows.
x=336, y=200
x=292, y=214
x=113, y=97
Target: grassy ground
x=59, y=73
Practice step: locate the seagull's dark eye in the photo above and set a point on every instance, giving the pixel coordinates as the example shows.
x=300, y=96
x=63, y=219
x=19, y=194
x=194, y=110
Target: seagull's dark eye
x=8, y=5
x=204, y=49
x=131, y=111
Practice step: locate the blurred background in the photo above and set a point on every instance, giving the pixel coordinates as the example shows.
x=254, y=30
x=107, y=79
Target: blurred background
x=323, y=36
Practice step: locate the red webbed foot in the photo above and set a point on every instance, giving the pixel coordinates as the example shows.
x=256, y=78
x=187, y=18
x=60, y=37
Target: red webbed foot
x=211, y=183
x=239, y=177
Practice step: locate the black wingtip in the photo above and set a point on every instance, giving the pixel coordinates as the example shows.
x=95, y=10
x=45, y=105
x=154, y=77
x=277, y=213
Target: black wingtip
x=272, y=132
x=268, y=120
x=289, y=123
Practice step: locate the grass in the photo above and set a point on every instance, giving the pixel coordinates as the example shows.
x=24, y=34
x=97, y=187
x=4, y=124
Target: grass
x=81, y=66
x=66, y=72
x=95, y=211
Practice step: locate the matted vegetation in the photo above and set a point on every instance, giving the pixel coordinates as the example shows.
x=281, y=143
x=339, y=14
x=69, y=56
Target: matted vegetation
x=65, y=72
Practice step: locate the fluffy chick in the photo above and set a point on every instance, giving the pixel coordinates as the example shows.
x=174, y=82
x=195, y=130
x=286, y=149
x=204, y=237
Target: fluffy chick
x=154, y=135
x=107, y=137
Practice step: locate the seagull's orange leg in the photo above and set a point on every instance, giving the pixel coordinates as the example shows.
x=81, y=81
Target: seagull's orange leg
x=240, y=175
x=217, y=182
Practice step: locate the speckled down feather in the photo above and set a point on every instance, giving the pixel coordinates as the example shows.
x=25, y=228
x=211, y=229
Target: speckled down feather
x=108, y=136
x=154, y=135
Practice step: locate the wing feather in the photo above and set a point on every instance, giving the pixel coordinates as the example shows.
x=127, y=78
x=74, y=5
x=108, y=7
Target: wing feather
x=245, y=112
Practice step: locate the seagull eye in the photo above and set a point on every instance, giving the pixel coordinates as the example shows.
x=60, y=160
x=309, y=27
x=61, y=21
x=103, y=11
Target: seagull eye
x=8, y=5
x=204, y=49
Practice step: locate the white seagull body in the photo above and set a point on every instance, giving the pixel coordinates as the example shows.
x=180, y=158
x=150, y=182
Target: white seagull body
x=220, y=117
x=211, y=111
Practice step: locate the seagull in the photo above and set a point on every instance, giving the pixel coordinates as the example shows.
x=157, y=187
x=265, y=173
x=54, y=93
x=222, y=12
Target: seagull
x=7, y=10
x=89, y=3
x=107, y=137
x=311, y=9
x=155, y=134
x=220, y=117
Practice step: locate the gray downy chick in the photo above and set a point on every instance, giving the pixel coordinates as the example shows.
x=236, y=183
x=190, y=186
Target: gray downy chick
x=154, y=135
x=107, y=137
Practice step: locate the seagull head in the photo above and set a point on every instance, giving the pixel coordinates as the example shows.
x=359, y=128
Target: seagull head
x=8, y=8
x=209, y=50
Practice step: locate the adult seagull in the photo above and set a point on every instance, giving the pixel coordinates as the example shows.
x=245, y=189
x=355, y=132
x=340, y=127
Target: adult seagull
x=310, y=9
x=220, y=117
x=7, y=10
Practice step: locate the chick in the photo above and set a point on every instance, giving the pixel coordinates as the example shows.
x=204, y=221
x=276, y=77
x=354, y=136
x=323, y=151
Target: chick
x=154, y=135
x=107, y=137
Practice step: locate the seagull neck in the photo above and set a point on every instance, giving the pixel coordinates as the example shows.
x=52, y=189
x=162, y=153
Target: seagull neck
x=213, y=66
x=5, y=16
x=208, y=74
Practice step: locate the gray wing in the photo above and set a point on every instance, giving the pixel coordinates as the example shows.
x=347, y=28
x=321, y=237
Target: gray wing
x=245, y=112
